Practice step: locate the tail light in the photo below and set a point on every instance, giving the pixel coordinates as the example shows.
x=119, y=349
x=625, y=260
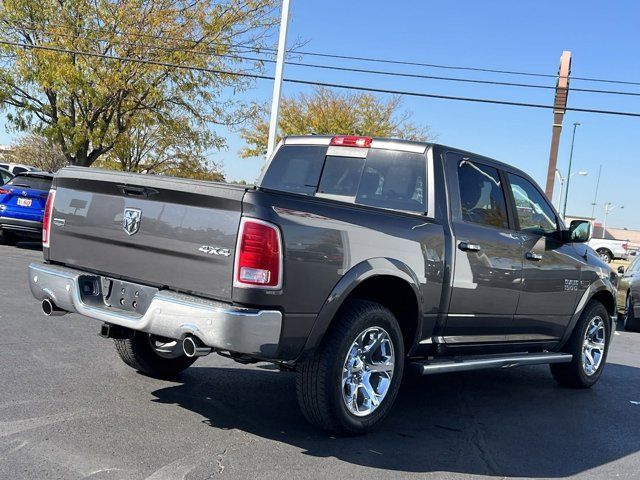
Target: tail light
x=625, y=246
x=46, y=219
x=4, y=192
x=351, y=141
x=258, y=255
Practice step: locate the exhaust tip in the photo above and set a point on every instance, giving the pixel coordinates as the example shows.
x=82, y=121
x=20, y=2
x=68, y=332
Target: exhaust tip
x=50, y=309
x=193, y=347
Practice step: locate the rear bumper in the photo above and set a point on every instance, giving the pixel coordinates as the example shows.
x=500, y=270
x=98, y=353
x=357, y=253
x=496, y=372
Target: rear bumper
x=173, y=315
x=18, y=224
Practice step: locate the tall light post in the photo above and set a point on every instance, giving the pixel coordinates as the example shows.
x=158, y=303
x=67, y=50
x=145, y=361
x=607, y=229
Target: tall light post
x=277, y=83
x=566, y=195
x=608, y=207
x=562, y=179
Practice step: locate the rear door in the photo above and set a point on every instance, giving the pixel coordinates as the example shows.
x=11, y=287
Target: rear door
x=551, y=275
x=488, y=259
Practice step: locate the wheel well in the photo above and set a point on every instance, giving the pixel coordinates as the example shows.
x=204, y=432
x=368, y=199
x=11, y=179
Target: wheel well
x=398, y=296
x=606, y=250
x=606, y=299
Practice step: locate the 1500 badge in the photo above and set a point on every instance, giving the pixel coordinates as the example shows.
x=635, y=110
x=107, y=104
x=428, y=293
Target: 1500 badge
x=209, y=250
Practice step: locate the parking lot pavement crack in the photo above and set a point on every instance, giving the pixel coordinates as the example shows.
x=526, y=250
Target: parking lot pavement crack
x=478, y=438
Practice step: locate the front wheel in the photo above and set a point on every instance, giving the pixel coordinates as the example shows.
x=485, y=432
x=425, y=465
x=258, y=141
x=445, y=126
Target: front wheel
x=631, y=323
x=153, y=356
x=351, y=382
x=605, y=255
x=589, y=345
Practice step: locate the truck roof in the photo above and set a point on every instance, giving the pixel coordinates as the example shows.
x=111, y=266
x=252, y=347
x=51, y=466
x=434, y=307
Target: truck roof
x=395, y=144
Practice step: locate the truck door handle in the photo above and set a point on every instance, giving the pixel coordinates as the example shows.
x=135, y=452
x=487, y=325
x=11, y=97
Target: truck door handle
x=469, y=247
x=536, y=257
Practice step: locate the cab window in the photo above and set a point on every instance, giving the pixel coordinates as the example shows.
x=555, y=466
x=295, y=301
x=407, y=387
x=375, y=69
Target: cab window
x=533, y=212
x=481, y=195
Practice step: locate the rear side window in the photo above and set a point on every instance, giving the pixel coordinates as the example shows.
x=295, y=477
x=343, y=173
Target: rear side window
x=4, y=177
x=534, y=213
x=295, y=169
x=481, y=195
x=28, y=181
x=17, y=170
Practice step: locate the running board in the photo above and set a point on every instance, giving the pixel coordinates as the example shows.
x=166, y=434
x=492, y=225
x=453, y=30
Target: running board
x=477, y=362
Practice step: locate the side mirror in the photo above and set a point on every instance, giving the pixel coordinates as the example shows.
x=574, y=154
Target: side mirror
x=579, y=231
x=620, y=269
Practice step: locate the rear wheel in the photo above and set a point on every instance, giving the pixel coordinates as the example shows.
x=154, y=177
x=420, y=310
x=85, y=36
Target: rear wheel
x=153, y=356
x=589, y=344
x=351, y=382
x=605, y=255
x=631, y=323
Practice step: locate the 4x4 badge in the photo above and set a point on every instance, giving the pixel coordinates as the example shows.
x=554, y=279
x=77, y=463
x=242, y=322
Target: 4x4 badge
x=131, y=220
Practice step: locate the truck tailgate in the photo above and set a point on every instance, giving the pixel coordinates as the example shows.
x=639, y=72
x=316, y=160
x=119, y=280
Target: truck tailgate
x=161, y=231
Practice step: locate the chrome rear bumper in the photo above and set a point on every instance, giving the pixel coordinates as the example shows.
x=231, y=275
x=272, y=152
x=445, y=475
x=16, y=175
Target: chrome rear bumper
x=173, y=315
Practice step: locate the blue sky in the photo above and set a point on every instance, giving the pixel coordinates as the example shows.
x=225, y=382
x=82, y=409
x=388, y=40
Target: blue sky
x=522, y=36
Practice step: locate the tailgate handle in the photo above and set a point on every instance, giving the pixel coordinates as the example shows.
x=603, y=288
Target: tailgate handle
x=133, y=191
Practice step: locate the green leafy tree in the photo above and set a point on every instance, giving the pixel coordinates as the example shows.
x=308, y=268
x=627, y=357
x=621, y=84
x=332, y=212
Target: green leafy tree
x=90, y=106
x=327, y=112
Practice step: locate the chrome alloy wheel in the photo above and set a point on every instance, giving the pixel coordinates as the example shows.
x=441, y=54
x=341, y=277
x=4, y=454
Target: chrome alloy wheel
x=367, y=371
x=593, y=346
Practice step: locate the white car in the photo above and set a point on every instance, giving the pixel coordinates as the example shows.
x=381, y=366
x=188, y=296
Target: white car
x=16, y=168
x=609, y=250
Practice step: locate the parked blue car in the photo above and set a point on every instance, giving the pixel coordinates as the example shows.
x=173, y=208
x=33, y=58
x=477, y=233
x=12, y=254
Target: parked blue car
x=22, y=202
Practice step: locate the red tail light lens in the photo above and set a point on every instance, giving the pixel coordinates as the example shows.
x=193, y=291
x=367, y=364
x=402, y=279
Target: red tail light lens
x=351, y=141
x=4, y=192
x=258, y=255
x=46, y=219
x=625, y=246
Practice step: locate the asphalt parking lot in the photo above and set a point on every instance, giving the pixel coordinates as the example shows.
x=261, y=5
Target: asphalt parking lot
x=69, y=408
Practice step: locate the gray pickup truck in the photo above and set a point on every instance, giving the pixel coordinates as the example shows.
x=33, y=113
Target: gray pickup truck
x=351, y=261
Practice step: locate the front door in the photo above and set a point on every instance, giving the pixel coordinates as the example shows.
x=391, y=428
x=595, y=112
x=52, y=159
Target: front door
x=551, y=274
x=488, y=259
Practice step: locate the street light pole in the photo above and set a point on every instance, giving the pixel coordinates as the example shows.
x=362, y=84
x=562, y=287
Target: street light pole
x=595, y=196
x=277, y=83
x=566, y=194
x=561, y=180
x=608, y=207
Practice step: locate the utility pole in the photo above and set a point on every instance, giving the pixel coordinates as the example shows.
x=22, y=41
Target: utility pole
x=595, y=196
x=566, y=194
x=559, y=108
x=277, y=83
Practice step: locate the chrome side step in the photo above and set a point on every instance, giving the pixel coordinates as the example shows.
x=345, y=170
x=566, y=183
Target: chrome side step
x=478, y=362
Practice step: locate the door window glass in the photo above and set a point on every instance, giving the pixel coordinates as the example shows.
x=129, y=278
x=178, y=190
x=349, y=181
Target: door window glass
x=481, y=196
x=534, y=213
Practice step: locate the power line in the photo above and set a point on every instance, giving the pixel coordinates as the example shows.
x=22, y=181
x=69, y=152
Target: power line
x=259, y=49
x=321, y=84
x=343, y=69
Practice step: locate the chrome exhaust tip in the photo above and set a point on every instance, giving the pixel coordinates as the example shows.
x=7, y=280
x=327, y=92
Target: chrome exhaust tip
x=193, y=347
x=51, y=310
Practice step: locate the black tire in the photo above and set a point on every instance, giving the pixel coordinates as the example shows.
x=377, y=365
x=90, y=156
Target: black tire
x=573, y=374
x=138, y=353
x=7, y=238
x=319, y=379
x=631, y=323
x=605, y=255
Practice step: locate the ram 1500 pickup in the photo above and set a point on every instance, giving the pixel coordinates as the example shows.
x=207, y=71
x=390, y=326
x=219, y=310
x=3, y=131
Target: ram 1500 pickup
x=352, y=260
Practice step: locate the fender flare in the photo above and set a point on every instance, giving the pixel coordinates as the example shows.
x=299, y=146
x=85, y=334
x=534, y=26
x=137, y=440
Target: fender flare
x=599, y=285
x=354, y=277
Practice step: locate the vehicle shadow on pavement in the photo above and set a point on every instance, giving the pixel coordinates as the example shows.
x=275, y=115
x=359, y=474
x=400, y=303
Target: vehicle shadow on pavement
x=514, y=422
